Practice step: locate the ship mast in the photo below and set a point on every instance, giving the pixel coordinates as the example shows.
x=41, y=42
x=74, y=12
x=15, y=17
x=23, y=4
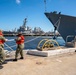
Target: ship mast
x=24, y=23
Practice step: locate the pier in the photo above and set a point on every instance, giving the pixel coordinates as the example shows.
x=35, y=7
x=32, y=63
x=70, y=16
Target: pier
x=63, y=64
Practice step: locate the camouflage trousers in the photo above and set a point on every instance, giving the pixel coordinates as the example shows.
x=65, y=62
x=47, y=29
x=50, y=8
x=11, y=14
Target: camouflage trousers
x=2, y=55
x=19, y=50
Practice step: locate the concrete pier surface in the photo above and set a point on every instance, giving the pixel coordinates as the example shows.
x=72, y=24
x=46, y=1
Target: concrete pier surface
x=62, y=64
x=51, y=52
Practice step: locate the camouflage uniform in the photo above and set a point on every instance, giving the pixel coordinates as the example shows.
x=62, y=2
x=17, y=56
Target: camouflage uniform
x=19, y=49
x=2, y=54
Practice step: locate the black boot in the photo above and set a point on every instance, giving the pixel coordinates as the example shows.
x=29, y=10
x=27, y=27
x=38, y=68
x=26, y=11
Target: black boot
x=21, y=58
x=1, y=66
x=14, y=59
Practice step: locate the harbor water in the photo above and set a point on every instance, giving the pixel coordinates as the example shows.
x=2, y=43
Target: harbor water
x=31, y=42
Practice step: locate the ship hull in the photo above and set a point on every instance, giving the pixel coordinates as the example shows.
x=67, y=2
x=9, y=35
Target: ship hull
x=66, y=24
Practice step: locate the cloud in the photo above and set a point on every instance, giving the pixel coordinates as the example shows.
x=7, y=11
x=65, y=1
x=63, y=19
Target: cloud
x=18, y=1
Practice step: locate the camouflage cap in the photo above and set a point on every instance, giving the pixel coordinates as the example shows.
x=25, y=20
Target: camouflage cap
x=1, y=30
x=19, y=33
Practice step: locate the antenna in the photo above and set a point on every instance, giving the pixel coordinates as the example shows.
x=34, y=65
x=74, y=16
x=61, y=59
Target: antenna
x=45, y=5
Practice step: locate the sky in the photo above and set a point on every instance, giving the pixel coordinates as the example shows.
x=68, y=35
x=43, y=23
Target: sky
x=13, y=12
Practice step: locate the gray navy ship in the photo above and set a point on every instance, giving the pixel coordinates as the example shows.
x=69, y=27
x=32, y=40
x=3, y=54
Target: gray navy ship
x=64, y=24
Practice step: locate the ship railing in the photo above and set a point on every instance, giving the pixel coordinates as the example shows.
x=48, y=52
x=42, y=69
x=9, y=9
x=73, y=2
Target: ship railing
x=70, y=36
x=70, y=41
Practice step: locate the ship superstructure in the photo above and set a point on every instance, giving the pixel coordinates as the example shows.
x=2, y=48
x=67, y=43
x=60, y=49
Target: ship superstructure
x=23, y=28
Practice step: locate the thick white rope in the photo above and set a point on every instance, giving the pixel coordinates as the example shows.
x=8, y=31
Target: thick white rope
x=10, y=47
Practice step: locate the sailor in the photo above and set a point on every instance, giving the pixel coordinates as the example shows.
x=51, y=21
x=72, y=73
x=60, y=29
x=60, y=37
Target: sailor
x=20, y=46
x=2, y=54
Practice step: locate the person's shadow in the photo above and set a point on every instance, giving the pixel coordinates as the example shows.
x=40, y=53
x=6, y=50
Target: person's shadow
x=7, y=60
